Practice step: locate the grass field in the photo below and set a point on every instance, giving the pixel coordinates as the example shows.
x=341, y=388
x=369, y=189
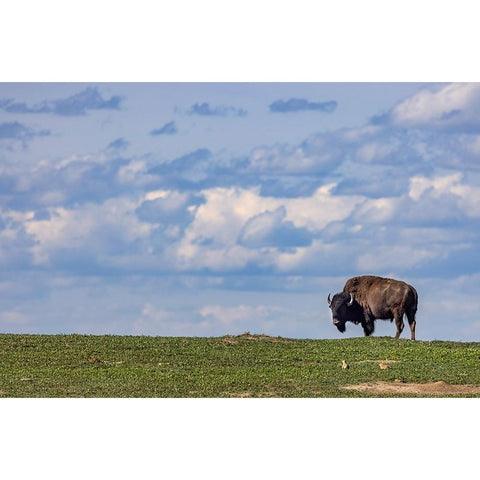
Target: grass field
x=233, y=366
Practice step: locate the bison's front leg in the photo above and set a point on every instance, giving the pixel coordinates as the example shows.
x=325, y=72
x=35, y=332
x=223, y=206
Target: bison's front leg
x=368, y=324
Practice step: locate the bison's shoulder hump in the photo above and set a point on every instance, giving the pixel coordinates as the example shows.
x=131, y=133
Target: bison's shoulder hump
x=364, y=281
x=359, y=286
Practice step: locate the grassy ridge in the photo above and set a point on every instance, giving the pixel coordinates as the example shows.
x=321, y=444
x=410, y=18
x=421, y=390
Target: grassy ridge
x=240, y=366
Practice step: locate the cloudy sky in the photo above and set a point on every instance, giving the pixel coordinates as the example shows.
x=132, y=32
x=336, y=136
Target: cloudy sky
x=219, y=208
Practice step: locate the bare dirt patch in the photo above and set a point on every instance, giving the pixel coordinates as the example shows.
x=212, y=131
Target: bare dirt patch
x=430, y=388
x=233, y=339
x=240, y=395
x=266, y=394
x=378, y=361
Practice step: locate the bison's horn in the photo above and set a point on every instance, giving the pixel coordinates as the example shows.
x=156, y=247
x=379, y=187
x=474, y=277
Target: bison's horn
x=351, y=301
x=328, y=300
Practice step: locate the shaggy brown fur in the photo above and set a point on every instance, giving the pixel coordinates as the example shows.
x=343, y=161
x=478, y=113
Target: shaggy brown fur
x=368, y=298
x=385, y=298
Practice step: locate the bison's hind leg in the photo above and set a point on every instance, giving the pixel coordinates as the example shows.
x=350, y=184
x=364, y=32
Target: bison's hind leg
x=411, y=322
x=399, y=324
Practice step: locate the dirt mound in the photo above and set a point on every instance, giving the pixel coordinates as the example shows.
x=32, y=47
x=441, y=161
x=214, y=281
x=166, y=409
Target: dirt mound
x=430, y=388
x=231, y=339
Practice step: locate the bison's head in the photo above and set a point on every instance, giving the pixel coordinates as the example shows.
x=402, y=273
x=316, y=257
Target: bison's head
x=342, y=309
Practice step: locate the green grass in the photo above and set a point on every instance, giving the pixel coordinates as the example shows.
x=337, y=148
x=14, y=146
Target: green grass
x=245, y=365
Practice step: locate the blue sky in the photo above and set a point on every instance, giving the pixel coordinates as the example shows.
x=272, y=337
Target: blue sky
x=220, y=208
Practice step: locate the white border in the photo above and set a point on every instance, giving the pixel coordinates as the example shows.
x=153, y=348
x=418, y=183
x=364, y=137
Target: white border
x=215, y=40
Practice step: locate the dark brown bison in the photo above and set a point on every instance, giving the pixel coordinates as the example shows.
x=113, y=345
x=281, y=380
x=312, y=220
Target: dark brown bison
x=367, y=298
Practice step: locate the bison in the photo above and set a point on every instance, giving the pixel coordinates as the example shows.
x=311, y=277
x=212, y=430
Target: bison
x=367, y=298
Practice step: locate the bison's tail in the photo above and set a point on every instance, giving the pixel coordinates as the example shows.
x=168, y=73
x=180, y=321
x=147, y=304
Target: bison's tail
x=415, y=299
x=411, y=304
x=412, y=310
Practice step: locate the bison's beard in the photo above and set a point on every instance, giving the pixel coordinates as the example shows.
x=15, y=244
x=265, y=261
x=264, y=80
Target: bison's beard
x=341, y=327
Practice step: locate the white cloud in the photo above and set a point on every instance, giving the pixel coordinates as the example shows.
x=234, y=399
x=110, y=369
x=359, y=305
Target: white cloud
x=317, y=211
x=439, y=185
x=313, y=155
x=454, y=106
x=237, y=229
x=14, y=241
x=467, y=196
x=397, y=257
x=259, y=226
x=211, y=239
x=377, y=150
x=93, y=227
x=317, y=256
x=75, y=159
x=379, y=210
